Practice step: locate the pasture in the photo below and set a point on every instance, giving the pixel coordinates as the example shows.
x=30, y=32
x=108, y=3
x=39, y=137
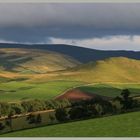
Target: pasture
x=111, y=90
x=124, y=125
x=11, y=91
x=16, y=91
x=24, y=121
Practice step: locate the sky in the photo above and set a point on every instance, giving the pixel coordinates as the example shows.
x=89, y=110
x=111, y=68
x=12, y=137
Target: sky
x=104, y=26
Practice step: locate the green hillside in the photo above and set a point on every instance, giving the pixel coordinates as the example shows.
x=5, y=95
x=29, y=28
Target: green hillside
x=17, y=91
x=107, y=77
x=111, y=90
x=125, y=125
x=115, y=69
x=33, y=60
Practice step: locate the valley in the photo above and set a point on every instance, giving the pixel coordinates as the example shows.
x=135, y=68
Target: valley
x=46, y=75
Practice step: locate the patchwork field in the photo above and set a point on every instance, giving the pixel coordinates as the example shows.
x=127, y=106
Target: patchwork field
x=16, y=91
x=125, y=125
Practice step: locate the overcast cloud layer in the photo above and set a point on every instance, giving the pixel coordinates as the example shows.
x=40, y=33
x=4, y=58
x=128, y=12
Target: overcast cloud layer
x=103, y=26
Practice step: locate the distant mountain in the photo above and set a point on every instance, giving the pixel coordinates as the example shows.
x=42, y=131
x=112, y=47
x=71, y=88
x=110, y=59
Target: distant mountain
x=34, y=60
x=79, y=53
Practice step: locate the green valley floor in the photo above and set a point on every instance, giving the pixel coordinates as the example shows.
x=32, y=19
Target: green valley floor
x=124, y=125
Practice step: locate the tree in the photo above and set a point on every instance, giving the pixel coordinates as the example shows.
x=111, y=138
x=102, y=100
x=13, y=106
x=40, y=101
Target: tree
x=127, y=101
x=92, y=111
x=107, y=107
x=99, y=109
x=78, y=112
x=38, y=119
x=31, y=119
x=125, y=94
x=52, y=118
x=61, y=114
x=4, y=109
x=2, y=126
x=17, y=108
x=117, y=104
x=9, y=120
x=33, y=105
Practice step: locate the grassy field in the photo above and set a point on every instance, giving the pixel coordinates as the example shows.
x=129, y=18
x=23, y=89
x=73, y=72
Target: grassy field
x=111, y=90
x=15, y=91
x=125, y=125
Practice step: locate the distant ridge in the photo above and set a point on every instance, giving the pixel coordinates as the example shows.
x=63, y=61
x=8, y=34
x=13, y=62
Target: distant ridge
x=34, y=60
x=81, y=54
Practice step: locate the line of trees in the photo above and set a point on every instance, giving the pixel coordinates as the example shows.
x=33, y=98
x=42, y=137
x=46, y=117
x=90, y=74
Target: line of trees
x=97, y=107
x=66, y=110
x=32, y=118
x=27, y=106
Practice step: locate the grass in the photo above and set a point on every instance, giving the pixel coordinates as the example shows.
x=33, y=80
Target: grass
x=21, y=122
x=15, y=91
x=125, y=125
x=111, y=90
x=119, y=69
x=19, y=90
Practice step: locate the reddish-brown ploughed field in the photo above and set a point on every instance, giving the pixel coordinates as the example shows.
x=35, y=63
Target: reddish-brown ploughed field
x=76, y=94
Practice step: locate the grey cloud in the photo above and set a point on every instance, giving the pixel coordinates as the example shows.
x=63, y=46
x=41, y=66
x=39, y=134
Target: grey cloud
x=37, y=22
x=98, y=16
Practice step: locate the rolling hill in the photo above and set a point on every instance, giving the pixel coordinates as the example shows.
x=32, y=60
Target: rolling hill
x=81, y=54
x=115, y=69
x=33, y=60
x=43, y=65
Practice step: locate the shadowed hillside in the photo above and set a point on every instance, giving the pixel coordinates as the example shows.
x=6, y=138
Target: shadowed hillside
x=33, y=60
x=79, y=53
